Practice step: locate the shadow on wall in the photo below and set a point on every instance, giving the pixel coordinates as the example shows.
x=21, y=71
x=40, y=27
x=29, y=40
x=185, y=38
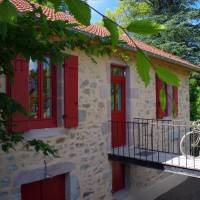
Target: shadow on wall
x=188, y=190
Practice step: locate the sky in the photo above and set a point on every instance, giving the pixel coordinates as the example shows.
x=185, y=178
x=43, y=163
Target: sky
x=102, y=6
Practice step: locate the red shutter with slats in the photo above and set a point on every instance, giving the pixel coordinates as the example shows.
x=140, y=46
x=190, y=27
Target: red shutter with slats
x=19, y=91
x=159, y=112
x=118, y=176
x=71, y=92
x=175, y=100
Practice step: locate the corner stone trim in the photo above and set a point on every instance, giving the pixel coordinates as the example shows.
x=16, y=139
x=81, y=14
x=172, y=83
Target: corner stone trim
x=37, y=174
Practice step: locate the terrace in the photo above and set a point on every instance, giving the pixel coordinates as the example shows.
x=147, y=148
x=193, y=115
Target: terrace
x=156, y=144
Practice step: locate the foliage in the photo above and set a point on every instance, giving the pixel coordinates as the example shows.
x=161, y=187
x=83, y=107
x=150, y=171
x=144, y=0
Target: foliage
x=143, y=67
x=181, y=37
x=27, y=35
x=75, y=7
x=162, y=99
x=167, y=76
x=144, y=27
x=112, y=27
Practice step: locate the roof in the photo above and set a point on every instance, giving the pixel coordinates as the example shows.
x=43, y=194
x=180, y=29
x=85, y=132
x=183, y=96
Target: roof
x=25, y=6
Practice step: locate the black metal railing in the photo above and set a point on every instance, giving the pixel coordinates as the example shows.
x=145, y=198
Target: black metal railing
x=156, y=141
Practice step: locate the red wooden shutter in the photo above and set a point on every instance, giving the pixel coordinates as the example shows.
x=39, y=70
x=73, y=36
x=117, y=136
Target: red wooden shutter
x=175, y=100
x=19, y=91
x=159, y=112
x=71, y=92
x=118, y=176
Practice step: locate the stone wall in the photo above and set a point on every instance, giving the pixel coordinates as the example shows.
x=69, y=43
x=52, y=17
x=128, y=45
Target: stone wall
x=83, y=150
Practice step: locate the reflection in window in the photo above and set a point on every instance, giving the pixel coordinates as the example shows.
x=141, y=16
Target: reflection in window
x=169, y=91
x=116, y=71
x=47, y=103
x=118, y=97
x=33, y=88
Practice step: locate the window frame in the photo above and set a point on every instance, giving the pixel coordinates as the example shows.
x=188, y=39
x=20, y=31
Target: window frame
x=166, y=113
x=41, y=122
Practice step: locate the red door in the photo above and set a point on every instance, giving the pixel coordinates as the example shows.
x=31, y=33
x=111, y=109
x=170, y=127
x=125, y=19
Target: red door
x=48, y=189
x=118, y=106
x=118, y=176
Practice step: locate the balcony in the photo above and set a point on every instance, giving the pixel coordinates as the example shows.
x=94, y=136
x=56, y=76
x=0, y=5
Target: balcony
x=156, y=144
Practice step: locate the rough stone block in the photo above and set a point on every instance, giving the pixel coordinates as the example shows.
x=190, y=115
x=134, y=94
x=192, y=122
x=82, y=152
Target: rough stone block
x=74, y=188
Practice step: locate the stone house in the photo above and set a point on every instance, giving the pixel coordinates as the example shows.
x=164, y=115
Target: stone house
x=75, y=108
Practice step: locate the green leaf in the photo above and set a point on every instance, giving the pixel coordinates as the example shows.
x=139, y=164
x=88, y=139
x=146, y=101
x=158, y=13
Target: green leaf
x=143, y=66
x=112, y=28
x=145, y=27
x=56, y=3
x=167, y=76
x=80, y=10
x=8, y=12
x=3, y=30
x=162, y=98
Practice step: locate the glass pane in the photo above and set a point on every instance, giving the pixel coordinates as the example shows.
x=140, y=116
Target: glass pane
x=117, y=71
x=118, y=103
x=47, y=90
x=112, y=97
x=169, y=99
x=46, y=67
x=33, y=88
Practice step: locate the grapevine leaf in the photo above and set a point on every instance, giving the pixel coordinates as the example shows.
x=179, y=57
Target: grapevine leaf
x=112, y=28
x=8, y=12
x=145, y=27
x=3, y=30
x=143, y=66
x=167, y=76
x=162, y=98
x=80, y=10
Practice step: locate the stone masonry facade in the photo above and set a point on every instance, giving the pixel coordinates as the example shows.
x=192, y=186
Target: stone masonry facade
x=83, y=150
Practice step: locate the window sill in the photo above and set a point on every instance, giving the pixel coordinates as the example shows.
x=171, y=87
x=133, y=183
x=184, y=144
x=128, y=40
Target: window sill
x=44, y=133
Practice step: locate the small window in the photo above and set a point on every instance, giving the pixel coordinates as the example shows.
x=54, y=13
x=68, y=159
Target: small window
x=171, y=92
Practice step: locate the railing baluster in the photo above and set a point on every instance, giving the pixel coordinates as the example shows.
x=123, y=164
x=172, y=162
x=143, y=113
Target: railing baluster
x=133, y=124
x=173, y=137
x=128, y=141
x=185, y=145
x=152, y=139
x=139, y=139
x=146, y=135
x=168, y=137
x=147, y=132
x=179, y=139
x=165, y=145
x=158, y=140
x=172, y=155
x=162, y=136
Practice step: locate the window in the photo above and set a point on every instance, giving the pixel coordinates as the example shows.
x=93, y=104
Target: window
x=171, y=92
x=42, y=92
x=35, y=88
